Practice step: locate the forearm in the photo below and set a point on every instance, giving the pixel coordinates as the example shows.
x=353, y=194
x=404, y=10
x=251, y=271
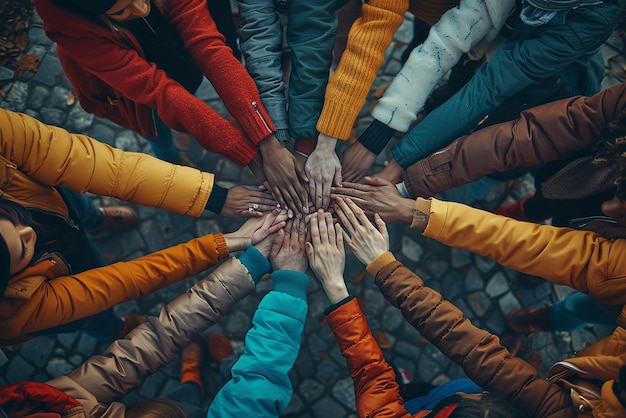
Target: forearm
x=479, y=352
x=260, y=377
x=549, y=132
x=261, y=35
x=582, y=260
x=311, y=36
x=125, y=366
x=368, y=39
x=372, y=375
x=458, y=30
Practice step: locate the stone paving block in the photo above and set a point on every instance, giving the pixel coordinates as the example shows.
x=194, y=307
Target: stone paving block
x=49, y=68
x=16, y=97
x=508, y=303
x=327, y=407
x=411, y=249
x=58, y=367
x=343, y=391
x=78, y=120
x=18, y=370
x=86, y=344
x=497, y=285
x=52, y=116
x=102, y=133
x=483, y=264
x=38, y=351
x=473, y=280
x=327, y=370
x=460, y=257
x=311, y=390
x=38, y=97
x=295, y=406
x=479, y=303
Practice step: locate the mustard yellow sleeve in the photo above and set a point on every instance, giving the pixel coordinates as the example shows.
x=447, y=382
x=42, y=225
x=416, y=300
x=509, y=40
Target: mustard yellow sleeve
x=347, y=89
x=52, y=156
x=582, y=260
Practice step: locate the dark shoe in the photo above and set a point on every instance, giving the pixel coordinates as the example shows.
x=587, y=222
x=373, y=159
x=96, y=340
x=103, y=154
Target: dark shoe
x=515, y=210
x=131, y=322
x=117, y=219
x=219, y=346
x=190, y=363
x=527, y=321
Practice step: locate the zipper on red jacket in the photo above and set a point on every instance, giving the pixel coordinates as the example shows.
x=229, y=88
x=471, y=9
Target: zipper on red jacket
x=258, y=111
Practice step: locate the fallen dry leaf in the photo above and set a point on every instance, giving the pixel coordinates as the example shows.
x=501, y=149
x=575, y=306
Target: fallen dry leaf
x=359, y=277
x=382, y=340
x=71, y=99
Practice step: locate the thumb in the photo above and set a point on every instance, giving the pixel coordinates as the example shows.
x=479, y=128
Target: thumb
x=376, y=181
x=338, y=176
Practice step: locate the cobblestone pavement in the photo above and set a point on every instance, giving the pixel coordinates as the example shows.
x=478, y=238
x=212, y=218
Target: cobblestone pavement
x=484, y=290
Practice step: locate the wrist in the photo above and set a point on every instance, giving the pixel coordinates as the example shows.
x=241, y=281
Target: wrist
x=326, y=144
x=335, y=290
x=269, y=143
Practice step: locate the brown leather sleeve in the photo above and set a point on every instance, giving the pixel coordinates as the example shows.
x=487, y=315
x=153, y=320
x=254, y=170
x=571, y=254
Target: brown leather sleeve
x=549, y=132
x=477, y=351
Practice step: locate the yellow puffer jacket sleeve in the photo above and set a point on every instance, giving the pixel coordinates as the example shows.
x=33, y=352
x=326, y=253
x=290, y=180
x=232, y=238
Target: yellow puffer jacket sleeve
x=582, y=260
x=54, y=157
x=68, y=298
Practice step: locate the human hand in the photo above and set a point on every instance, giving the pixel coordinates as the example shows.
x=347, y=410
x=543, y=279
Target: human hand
x=287, y=251
x=356, y=162
x=247, y=202
x=392, y=172
x=256, y=166
x=283, y=178
x=326, y=254
x=254, y=230
x=323, y=170
x=377, y=196
x=365, y=241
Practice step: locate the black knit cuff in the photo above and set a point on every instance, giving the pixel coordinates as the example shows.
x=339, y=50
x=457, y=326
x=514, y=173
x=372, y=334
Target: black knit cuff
x=338, y=304
x=216, y=199
x=376, y=136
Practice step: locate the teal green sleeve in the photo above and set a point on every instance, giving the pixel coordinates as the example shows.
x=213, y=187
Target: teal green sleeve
x=260, y=386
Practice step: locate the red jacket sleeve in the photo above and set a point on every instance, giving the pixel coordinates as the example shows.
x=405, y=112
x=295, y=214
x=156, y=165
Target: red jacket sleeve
x=377, y=393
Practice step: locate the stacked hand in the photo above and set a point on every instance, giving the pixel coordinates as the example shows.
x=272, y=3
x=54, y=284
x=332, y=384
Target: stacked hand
x=247, y=202
x=323, y=170
x=326, y=255
x=356, y=161
x=255, y=230
x=287, y=251
x=366, y=241
x=377, y=196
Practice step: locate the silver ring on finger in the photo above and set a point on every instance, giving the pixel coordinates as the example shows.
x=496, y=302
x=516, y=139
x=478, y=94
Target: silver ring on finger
x=251, y=209
x=255, y=206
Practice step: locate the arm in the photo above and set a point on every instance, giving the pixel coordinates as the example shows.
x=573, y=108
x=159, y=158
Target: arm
x=54, y=157
x=374, y=380
x=477, y=351
x=375, y=386
x=458, y=30
x=261, y=36
x=127, y=362
x=582, y=260
x=545, y=133
x=368, y=39
x=515, y=66
x=260, y=385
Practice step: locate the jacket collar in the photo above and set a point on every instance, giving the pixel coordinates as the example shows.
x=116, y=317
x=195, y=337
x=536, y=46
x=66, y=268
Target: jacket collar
x=26, y=282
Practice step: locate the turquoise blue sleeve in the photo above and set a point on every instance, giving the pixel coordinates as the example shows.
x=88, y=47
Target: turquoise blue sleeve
x=256, y=263
x=260, y=386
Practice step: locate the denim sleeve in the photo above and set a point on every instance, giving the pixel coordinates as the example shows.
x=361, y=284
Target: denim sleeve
x=515, y=66
x=311, y=36
x=261, y=35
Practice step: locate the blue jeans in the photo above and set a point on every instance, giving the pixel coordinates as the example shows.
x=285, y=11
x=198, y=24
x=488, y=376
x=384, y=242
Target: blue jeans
x=577, y=311
x=104, y=326
x=163, y=147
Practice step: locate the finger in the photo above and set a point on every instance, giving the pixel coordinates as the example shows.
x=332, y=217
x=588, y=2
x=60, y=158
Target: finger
x=310, y=252
x=339, y=234
x=322, y=226
x=318, y=193
x=292, y=199
x=312, y=193
x=302, y=173
x=277, y=243
x=270, y=219
x=377, y=181
x=276, y=192
x=382, y=226
x=358, y=212
x=326, y=193
x=346, y=238
x=330, y=228
x=349, y=213
x=283, y=215
x=301, y=229
x=254, y=214
x=341, y=209
x=276, y=227
x=338, y=180
x=315, y=230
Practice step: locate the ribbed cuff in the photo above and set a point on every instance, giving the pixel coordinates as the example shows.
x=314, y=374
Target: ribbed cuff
x=337, y=305
x=376, y=136
x=257, y=264
x=217, y=198
x=291, y=282
x=282, y=135
x=379, y=263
